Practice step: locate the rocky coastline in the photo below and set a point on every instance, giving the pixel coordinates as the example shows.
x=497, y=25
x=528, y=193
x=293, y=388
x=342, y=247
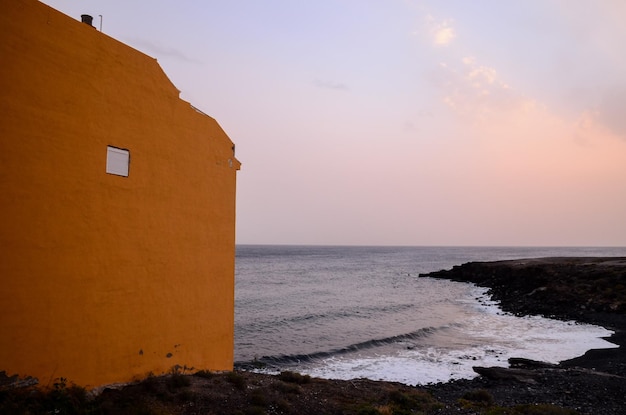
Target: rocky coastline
x=588, y=290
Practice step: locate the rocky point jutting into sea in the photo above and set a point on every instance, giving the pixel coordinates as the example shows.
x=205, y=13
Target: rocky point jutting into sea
x=589, y=290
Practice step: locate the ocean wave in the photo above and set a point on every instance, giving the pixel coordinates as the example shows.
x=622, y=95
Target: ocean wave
x=281, y=361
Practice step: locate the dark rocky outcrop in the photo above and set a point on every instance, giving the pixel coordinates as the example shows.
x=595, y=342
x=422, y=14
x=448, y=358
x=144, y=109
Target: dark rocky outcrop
x=565, y=288
x=589, y=290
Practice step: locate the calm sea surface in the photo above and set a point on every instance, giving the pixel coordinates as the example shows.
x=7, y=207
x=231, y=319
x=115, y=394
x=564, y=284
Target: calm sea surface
x=362, y=312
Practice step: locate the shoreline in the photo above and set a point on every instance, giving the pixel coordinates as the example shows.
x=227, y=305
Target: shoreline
x=586, y=290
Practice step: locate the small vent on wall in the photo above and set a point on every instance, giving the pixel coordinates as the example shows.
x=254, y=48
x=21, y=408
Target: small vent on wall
x=118, y=161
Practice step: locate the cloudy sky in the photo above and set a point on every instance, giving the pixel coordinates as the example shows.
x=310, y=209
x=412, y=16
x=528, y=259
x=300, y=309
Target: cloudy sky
x=404, y=122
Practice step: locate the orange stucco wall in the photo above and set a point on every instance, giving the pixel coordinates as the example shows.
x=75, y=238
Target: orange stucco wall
x=106, y=278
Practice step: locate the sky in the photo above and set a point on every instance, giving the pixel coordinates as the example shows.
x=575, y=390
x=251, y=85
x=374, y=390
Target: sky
x=404, y=122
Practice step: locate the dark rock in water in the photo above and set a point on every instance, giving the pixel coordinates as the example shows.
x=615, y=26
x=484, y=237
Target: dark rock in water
x=503, y=373
x=520, y=362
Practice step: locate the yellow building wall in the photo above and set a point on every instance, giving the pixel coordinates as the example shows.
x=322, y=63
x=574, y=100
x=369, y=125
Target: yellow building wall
x=107, y=278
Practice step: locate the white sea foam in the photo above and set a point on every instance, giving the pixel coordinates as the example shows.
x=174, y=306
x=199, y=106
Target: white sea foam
x=489, y=338
x=431, y=364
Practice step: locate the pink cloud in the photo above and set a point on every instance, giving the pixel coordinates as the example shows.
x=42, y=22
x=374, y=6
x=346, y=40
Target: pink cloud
x=441, y=32
x=476, y=92
x=611, y=110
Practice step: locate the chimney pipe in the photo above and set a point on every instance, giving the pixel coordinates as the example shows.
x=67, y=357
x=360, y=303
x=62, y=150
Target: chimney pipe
x=87, y=19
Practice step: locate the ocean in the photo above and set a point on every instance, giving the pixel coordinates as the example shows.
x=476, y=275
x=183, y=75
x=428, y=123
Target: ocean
x=345, y=312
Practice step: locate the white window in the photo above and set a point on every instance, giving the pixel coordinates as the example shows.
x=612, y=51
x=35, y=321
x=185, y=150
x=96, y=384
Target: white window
x=118, y=161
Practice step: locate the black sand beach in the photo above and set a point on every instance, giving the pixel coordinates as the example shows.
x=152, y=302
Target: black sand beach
x=588, y=290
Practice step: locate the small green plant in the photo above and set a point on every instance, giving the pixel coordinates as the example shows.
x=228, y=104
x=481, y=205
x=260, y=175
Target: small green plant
x=293, y=377
x=285, y=387
x=367, y=409
x=258, y=398
x=205, y=374
x=151, y=383
x=481, y=397
x=178, y=380
x=236, y=379
x=404, y=403
x=283, y=405
x=66, y=399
